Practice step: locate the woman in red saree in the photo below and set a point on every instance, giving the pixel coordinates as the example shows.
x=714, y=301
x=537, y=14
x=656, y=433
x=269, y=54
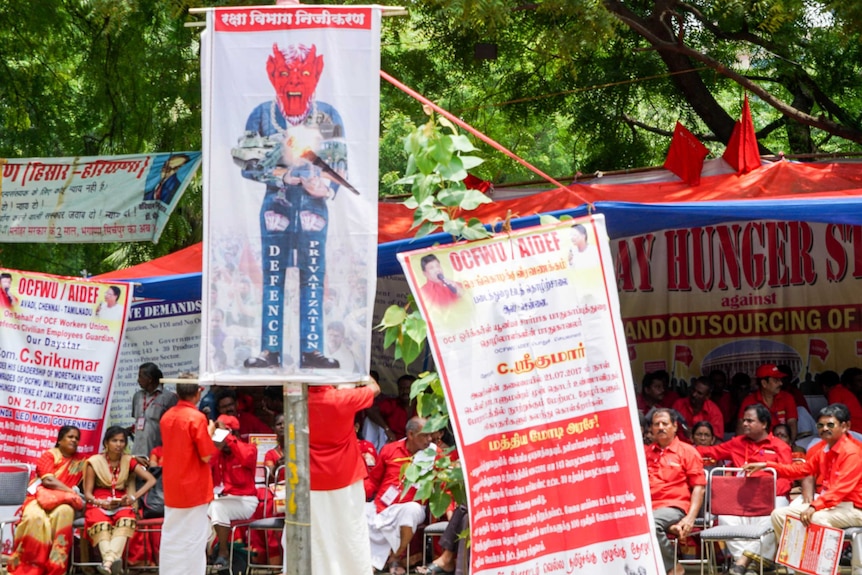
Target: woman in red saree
x=109, y=488
x=43, y=538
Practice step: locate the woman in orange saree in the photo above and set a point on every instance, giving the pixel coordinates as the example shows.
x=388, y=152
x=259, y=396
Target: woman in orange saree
x=43, y=538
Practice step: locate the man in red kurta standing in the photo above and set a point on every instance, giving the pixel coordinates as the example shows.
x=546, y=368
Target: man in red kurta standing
x=339, y=531
x=187, y=483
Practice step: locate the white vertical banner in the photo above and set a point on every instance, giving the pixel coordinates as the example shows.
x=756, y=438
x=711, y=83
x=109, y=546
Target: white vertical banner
x=527, y=337
x=291, y=114
x=59, y=343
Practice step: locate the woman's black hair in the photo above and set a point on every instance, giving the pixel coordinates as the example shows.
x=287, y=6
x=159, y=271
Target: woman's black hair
x=65, y=430
x=115, y=430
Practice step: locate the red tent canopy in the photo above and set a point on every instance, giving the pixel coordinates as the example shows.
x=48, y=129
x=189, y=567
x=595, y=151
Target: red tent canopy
x=186, y=261
x=796, y=187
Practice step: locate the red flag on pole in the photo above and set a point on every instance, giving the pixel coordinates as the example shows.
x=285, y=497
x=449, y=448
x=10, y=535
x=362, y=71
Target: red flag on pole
x=683, y=353
x=819, y=348
x=685, y=155
x=742, y=153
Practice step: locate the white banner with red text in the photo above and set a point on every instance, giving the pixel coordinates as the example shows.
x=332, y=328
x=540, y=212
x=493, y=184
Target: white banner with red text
x=735, y=295
x=92, y=199
x=164, y=332
x=59, y=342
x=291, y=100
x=526, y=334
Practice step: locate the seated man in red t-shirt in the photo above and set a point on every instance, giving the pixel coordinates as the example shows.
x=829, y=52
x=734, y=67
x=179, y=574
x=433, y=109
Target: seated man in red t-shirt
x=391, y=515
x=698, y=407
x=676, y=482
x=233, y=470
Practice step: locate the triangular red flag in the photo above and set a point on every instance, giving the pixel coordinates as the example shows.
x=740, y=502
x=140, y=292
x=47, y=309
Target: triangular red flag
x=742, y=153
x=819, y=348
x=685, y=156
x=474, y=183
x=683, y=353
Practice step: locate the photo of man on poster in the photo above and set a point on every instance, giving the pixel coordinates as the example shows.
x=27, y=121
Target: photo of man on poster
x=7, y=298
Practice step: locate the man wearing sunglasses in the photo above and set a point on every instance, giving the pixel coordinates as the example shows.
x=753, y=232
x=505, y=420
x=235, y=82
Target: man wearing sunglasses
x=835, y=498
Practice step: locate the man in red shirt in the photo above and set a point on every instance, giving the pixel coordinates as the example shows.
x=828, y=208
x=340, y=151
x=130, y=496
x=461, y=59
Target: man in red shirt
x=698, y=407
x=756, y=444
x=656, y=392
x=187, y=482
x=781, y=405
x=836, y=465
x=249, y=423
x=676, y=482
x=437, y=290
x=838, y=391
x=233, y=468
x=339, y=531
x=393, y=516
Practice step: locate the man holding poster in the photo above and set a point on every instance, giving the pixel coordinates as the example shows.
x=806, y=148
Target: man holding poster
x=836, y=465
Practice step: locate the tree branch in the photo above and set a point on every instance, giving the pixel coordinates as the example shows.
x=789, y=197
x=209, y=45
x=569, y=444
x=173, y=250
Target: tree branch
x=667, y=49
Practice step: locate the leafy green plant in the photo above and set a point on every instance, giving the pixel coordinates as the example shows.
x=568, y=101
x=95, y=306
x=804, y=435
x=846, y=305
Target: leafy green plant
x=437, y=165
x=438, y=160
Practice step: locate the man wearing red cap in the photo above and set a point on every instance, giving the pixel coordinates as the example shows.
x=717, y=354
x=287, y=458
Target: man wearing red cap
x=781, y=405
x=233, y=479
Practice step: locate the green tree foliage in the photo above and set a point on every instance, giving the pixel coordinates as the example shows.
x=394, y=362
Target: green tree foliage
x=616, y=75
x=437, y=163
x=99, y=77
x=576, y=86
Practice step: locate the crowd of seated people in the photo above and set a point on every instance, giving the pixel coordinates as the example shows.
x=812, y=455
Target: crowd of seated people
x=105, y=490
x=816, y=456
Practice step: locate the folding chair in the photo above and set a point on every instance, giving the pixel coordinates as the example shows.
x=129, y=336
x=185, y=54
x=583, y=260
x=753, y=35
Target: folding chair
x=433, y=530
x=854, y=536
x=266, y=523
x=14, y=478
x=77, y=560
x=699, y=524
x=148, y=529
x=732, y=493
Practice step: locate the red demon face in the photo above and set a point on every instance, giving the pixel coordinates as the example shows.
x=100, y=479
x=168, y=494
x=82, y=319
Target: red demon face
x=294, y=74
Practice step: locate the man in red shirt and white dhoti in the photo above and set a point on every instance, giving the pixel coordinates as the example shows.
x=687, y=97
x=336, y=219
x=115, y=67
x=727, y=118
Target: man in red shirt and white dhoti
x=188, y=485
x=339, y=532
x=392, y=517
